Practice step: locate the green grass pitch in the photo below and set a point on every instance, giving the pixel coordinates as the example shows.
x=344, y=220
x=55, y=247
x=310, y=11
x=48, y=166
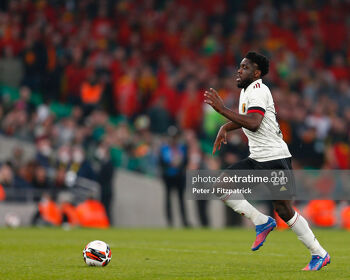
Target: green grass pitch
x=53, y=253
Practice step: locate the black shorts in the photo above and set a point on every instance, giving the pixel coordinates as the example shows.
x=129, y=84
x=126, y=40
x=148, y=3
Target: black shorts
x=279, y=190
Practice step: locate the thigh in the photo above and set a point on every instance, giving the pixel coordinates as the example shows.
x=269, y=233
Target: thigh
x=282, y=184
x=168, y=182
x=244, y=168
x=244, y=164
x=278, y=164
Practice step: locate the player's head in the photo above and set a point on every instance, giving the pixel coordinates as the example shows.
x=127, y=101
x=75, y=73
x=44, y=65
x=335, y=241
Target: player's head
x=252, y=67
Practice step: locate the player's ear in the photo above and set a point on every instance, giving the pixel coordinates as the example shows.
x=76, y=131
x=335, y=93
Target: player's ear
x=257, y=73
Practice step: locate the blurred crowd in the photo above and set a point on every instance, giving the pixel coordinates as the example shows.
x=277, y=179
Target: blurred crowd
x=154, y=58
x=127, y=73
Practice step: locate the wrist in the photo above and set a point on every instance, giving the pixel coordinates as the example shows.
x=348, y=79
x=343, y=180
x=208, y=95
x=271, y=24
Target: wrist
x=225, y=126
x=222, y=110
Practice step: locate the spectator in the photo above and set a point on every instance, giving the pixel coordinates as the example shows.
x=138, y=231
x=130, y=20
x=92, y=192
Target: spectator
x=40, y=180
x=17, y=159
x=48, y=212
x=91, y=94
x=44, y=152
x=105, y=171
x=196, y=161
x=125, y=94
x=75, y=75
x=91, y=213
x=11, y=69
x=191, y=112
x=6, y=174
x=80, y=166
x=159, y=116
x=173, y=161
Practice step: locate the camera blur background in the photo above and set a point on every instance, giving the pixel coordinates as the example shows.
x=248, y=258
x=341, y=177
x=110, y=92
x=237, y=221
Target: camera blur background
x=102, y=104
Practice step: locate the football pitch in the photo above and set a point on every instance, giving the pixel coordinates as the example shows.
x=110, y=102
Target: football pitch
x=52, y=253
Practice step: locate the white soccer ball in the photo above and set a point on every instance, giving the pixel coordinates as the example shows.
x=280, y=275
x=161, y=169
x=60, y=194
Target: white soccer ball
x=12, y=220
x=97, y=253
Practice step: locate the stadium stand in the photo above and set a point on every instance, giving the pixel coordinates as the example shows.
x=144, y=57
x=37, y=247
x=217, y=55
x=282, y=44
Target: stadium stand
x=79, y=78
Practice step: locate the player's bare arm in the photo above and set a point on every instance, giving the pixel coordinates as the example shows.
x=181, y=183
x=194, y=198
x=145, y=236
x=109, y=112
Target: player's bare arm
x=229, y=126
x=251, y=121
x=221, y=137
x=222, y=134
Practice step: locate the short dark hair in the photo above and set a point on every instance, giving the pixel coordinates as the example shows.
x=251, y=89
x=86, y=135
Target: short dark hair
x=260, y=60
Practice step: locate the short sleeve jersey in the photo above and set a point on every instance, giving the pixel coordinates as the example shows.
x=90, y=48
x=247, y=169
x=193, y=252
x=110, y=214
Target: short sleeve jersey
x=266, y=143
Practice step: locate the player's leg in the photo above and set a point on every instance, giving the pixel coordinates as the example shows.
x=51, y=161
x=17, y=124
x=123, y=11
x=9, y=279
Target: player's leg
x=284, y=209
x=297, y=223
x=263, y=223
x=243, y=207
x=240, y=205
x=300, y=226
x=180, y=184
x=168, y=187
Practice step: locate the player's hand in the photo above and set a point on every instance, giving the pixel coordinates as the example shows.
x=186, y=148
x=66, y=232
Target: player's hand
x=214, y=100
x=220, y=138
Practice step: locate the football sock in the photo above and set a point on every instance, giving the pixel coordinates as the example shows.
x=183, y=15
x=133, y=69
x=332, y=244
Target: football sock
x=301, y=228
x=244, y=208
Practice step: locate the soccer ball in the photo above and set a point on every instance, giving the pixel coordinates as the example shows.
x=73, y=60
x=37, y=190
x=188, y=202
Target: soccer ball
x=97, y=253
x=12, y=220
